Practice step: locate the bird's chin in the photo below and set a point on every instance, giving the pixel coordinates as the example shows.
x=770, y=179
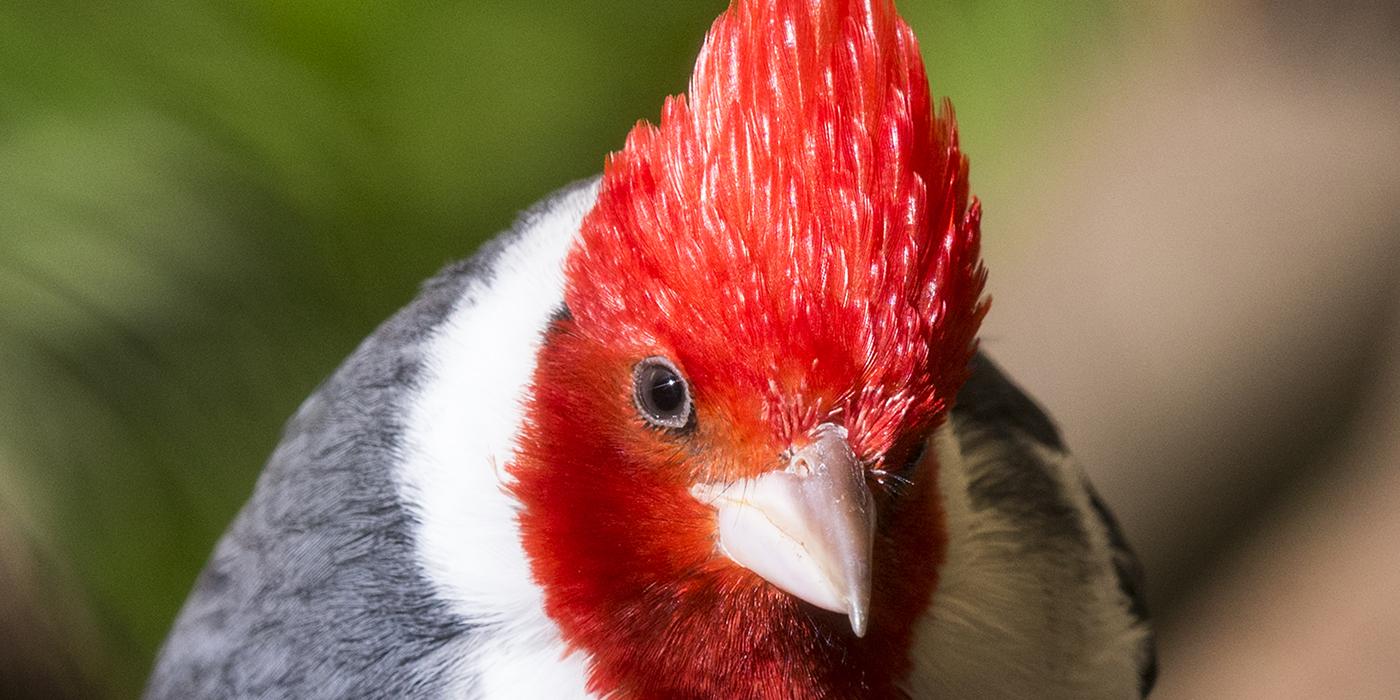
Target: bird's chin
x=808, y=529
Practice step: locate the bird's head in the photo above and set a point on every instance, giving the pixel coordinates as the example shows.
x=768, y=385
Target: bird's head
x=771, y=306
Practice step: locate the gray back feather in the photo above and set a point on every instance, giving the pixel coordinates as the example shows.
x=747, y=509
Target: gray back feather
x=315, y=590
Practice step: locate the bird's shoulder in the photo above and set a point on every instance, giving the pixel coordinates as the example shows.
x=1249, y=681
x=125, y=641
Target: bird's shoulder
x=1038, y=572
x=316, y=588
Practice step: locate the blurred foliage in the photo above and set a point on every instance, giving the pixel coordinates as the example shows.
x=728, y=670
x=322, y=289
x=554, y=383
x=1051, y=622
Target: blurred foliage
x=205, y=205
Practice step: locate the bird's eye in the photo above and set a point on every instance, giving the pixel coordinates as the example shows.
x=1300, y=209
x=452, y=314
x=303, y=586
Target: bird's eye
x=916, y=455
x=661, y=393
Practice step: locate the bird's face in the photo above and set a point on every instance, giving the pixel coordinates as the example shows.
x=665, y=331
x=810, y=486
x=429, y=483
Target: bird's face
x=685, y=504
x=722, y=474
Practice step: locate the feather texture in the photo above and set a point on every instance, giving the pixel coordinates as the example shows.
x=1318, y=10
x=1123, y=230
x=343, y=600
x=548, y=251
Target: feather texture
x=802, y=204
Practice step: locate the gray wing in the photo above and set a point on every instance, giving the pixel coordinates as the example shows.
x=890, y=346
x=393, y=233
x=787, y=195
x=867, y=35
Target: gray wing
x=992, y=413
x=315, y=591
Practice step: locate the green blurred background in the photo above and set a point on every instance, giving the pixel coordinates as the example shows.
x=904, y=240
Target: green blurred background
x=204, y=206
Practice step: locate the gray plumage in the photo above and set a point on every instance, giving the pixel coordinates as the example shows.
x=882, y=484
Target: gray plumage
x=315, y=590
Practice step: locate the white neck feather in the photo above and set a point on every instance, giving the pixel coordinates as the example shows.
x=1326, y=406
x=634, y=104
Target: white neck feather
x=462, y=434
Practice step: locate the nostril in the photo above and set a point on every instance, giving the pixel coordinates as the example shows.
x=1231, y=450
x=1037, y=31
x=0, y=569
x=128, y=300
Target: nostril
x=800, y=466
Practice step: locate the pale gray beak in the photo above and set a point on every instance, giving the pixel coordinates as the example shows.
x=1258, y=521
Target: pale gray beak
x=808, y=529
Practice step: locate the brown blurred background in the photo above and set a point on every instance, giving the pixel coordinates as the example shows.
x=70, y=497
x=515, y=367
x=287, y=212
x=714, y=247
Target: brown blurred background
x=1193, y=228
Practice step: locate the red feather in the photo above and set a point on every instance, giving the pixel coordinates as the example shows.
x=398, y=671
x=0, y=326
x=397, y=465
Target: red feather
x=796, y=236
x=804, y=216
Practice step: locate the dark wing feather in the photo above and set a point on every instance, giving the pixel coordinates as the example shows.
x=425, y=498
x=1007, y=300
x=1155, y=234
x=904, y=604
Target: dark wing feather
x=991, y=411
x=1130, y=581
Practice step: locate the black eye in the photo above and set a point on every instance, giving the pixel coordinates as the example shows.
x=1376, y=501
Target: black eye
x=661, y=394
x=916, y=455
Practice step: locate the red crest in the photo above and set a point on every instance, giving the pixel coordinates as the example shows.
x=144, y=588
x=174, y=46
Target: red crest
x=796, y=235
x=802, y=214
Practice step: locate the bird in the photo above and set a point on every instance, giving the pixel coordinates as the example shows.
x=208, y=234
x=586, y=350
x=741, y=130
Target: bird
x=713, y=424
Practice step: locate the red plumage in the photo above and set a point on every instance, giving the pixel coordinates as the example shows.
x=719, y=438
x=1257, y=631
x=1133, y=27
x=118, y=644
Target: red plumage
x=796, y=236
x=803, y=215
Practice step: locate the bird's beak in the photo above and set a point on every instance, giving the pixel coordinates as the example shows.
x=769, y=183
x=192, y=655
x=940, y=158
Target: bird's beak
x=807, y=529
